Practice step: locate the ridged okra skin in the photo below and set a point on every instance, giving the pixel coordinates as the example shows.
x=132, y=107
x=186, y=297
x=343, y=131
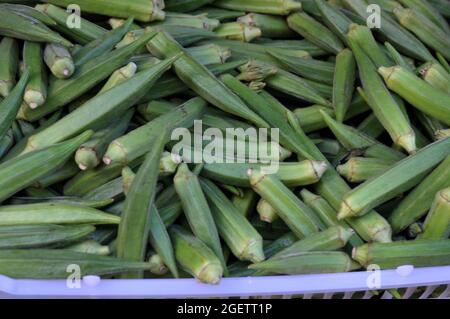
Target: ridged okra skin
x=437, y=223
x=36, y=90
x=9, y=58
x=275, y=7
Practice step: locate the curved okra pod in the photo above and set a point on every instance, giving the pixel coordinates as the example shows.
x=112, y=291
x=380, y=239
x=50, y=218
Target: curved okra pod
x=9, y=61
x=53, y=263
x=200, y=80
x=196, y=209
x=11, y=104
x=293, y=211
x=237, y=232
x=36, y=90
x=437, y=223
x=275, y=7
x=399, y=178
x=59, y=61
x=417, y=92
x=53, y=213
x=291, y=174
x=34, y=236
x=382, y=102
x=315, y=32
x=195, y=257
x=102, y=108
x=419, y=200
x=136, y=218
x=343, y=83
x=419, y=253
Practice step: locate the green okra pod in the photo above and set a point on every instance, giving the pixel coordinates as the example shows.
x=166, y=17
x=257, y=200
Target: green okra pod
x=210, y=54
x=266, y=212
x=425, y=30
x=417, y=92
x=215, y=13
x=90, y=246
x=199, y=79
x=36, y=89
x=246, y=203
x=343, y=83
x=292, y=211
x=17, y=25
x=315, y=32
x=334, y=19
x=95, y=112
x=398, y=58
x=195, y=257
x=238, y=31
x=142, y=10
x=54, y=263
x=27, y=11
x=196, y=209
x=360, y=169
x=308, y=263
x=436, y=75
x=6, y=143
x=11, y=104
x=59, y=61
x=437, y=223
x=419, y=200
x=237, y=232
x=397, y=179
x=135, y=224
x=428, y=10
x=189, y=20
x=291, y=174
x=371, y=126
x=53, y=213
x=383, y=104
x=158, y=266
x=9, y=58
x=276, y=7
x=271, y=26
x=34, y=236
x=185, y=5
x=418, y=253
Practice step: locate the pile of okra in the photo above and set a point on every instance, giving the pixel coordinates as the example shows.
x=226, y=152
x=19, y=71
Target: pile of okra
x=92, y=91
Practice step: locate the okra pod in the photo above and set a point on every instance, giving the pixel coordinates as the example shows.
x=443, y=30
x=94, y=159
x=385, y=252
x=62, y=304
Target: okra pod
x=436, y=75
x=420, y=199
x=371, y=126
x=292, y=210
x=190, y=21
x=429, y=11
x=90, y=247
x=266, y=212
x=90, y=154
x=200, y=80
x=68, y=170
x=17, y=25
x=240, y=236
x=398, y=58
x=215, y=13
x=291, y=174
x=360, y=169
x=54, y=263
x=315, y=32
x=142, y=10
x=343, y=83
x=158, y=267
x=383, y=104
x=53, y=213
x=195, y=257
x=95, y=112
x=417, y=92
x=276, y=7
x=110, y=190
x=67, y=200
x=425, y=30
x=196, y=209
x=334, y=19
x=270, y=26
x=442, y=6
x=59, y=61
x=27, y=11
x=9, y=58
x=210, y=54
x=87, y=32
x=316, y=70
x=36, y=90
x=397, y=179
x=128, y=177
x=308, y=263
x=19, y=237
x=418, y=253
x=131, y=146
x=11, y=104
x=238, y=31
x=245, y=204
x=328, y=215
x=437, y=223
x=6, y=143
x=185, y=5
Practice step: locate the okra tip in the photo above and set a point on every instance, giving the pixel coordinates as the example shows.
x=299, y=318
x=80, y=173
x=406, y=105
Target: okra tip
x=386, y=72
x=345, y=211
x=254, y=252
x=211, y=273
x=319, y=168
x=361, y=255
x=408, y=142
x=33, y=99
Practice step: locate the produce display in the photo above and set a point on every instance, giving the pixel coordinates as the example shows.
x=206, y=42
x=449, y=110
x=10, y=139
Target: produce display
x=97, y=99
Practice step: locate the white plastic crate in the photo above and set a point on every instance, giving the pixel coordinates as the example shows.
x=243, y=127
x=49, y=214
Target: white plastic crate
x=341, y=285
